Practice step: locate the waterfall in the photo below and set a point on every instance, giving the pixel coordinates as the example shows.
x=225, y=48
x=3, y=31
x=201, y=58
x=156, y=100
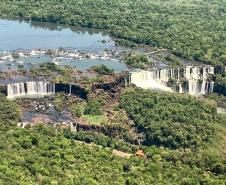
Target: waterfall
x=180, y=88
x=126, y=81
x=151, y=79
x=171, y=73
x=178, y=74
x=211, y=87
x=14, y=90
x=210, y=70
x=192, y=74
x=196, y=77
x=193, y=87
x=203, y=87
x=42, y=88
x=53, y=88
x=187, y=73
x=195, y=73
x=30, y=88
x=70, y=89
x=164, y=76
x=204, y=74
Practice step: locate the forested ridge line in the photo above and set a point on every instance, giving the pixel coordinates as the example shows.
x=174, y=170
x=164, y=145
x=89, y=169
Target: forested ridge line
x=194, y=29
x=170, y=120
x=42, y=155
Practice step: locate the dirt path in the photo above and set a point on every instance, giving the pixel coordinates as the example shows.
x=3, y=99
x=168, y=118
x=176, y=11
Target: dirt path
x=114, y=152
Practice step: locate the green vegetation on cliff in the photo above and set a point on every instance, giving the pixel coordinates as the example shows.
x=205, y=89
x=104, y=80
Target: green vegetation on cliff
x=169, y=119
x=102, y=70
x=221, y=79
x=135, y=60
x=193, y=29
x=9, y=112
x=42, y=155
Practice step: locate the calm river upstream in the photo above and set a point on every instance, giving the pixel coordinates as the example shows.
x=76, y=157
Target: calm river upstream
x=17, y=36
x=22, y=35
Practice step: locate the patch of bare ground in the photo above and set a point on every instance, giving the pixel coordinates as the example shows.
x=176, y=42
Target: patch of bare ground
x=224, y=148
x=114, y=152
x=121, y=154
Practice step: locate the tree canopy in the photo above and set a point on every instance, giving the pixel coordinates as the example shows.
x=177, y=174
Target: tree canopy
x=169, y=119
x=42, y=155
x=191, y=29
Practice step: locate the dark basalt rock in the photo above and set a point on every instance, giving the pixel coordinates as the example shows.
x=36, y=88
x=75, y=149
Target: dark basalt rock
x=71, y=89
x=219, y=69
x=220, y=89
x=3, y=90
x=120, y=81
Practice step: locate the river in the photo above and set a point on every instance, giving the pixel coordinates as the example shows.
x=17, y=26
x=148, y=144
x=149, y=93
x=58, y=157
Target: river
x=16, y=34
x=20, y=36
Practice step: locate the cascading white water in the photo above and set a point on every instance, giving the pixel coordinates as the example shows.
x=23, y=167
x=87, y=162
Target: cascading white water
x=171, y=73
x=178, y=74
x=42, y=88
x=14, y=90
x=211, y=86
x=196, y=77
x=187, y=72
x=192, y=74
x=151, y=79
x=180, y=88
x=70, y=89
x=203, y=87
x=204, y=73
x=210, y=70
x=30, y=88
x=164, y=76
x=193, y=87
x=207, y=87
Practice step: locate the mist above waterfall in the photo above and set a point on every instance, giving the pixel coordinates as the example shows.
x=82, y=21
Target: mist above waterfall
x=191, y=80
x=151, y=80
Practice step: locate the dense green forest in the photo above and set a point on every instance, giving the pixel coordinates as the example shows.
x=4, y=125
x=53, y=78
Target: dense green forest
x=194, y=29
x=221, y=79
x=102, y=70
x=42, y=155
x=170, y=120
x=135, y=60
x=183, y=138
